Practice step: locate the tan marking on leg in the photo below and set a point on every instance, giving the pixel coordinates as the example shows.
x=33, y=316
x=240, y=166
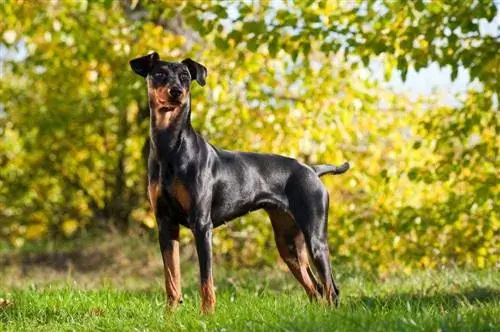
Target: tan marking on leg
x=327, y=283
x=291, y=246
x=310, y=281
x=329, y=293
x=172, y=269
x=154, y=193
x=207, y=296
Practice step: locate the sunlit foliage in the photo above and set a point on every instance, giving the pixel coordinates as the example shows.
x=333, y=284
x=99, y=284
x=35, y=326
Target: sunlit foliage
x=288, y=78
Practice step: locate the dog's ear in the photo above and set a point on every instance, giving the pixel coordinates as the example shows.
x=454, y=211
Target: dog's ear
x=144, y=64
x=197, y=71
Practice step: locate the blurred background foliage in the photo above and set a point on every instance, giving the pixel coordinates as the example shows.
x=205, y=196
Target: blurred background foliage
x=287, y=77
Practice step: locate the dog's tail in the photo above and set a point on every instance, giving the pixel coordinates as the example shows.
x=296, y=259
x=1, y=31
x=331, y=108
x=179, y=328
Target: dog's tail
x=330, y=169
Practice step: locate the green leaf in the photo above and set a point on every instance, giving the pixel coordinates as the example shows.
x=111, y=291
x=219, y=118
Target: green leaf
x=220, y=11
x=366, y=60
x=257, y=27
x=194, y=22
x=244, y=10
x=402, y=64
x=252, y=44
x=454, y=72
x=413, y=174
x=273, y=46
x=419, y=5
x=325, y=47
x=235, y=35
x=221, y=43
x=404, y=73
x=306, y=48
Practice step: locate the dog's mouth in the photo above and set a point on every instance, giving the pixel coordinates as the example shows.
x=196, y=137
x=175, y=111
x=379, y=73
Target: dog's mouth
x=169, y=108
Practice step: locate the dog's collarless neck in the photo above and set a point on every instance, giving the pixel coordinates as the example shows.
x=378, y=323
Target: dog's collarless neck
x=169, y=143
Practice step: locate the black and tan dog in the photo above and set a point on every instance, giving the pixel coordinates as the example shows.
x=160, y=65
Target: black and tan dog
x=195, y=184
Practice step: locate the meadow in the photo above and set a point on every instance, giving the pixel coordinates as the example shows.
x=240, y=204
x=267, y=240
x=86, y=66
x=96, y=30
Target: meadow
x=407, y=92
x=116, y=283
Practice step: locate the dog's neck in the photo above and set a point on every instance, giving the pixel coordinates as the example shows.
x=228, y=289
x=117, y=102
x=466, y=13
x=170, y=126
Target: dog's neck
x=170, y=132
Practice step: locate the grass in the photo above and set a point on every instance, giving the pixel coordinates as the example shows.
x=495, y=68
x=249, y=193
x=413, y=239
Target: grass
x=125, y=293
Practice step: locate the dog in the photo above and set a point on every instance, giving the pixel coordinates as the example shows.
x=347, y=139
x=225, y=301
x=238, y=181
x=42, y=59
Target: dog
x=194, y=184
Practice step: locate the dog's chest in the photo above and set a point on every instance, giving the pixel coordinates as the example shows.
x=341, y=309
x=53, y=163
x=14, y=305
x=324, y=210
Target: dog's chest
x=179, y=192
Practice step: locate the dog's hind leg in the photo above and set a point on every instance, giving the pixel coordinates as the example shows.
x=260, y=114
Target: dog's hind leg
x=309, y=208
x=315, y=238
x=292, y=248
x=321, y=260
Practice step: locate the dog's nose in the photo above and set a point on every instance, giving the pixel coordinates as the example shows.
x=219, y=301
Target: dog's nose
x=174, y=92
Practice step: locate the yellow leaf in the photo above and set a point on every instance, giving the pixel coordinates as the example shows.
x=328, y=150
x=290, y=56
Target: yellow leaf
x=4, y=303
x=149, y=221
x=35, y=231
x=143, y=217
x=480, y=262
x=17, y=241
x=69, y=227
x=96, y=311
x=425, y=261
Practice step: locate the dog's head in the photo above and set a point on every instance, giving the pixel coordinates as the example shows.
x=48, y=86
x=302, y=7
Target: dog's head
x=168, y=82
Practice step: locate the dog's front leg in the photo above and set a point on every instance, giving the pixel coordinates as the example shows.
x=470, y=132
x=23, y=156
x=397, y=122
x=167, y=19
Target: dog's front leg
x=168, y=229
x=202, y=230
x=169, y=246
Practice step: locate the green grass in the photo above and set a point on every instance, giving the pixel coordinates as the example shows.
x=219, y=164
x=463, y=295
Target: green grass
x=264, y=300
x=115, y=283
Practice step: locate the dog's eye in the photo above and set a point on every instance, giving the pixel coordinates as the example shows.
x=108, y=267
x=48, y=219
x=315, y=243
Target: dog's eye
x=159, y=76
x=184, y=77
